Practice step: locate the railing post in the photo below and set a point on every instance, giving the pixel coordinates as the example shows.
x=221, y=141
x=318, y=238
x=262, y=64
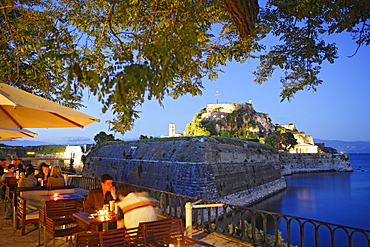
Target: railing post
x=188, y=219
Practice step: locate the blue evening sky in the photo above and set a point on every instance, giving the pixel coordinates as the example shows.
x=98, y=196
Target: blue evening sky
x=339, y=110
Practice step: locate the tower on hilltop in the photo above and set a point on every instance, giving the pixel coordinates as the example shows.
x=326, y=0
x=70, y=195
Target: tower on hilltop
x=171, y=130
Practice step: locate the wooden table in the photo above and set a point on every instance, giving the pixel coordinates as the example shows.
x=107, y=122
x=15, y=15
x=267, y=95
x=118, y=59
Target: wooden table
x=84, y=217
x=68, y=196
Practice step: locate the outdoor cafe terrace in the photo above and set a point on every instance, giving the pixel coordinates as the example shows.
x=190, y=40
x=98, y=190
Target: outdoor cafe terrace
x=185, y=221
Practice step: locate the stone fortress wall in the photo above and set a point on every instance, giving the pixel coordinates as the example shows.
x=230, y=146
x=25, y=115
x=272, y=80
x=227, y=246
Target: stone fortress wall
x=218, y=169
x=292, y=163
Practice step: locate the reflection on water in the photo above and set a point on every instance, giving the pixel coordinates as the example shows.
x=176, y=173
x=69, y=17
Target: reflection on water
x=336, y=197
x=307, y=200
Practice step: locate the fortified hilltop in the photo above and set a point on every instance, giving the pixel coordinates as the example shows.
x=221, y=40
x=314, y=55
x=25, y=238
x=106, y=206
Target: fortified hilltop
x=222, y=119
x=234, y=171
x=242, y=121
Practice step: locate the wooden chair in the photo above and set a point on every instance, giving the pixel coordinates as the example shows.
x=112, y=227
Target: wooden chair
x=165, y=232
x=84, y=239
x=58, y=187
x=24, y=217
x=51, y=229
x=60, y=211
x=122, y=237
x=17, y=192
x=10, y=187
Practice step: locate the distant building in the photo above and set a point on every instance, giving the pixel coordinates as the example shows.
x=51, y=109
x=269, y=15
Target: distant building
x=171, y=131
x=74, y=154
x=305, y=148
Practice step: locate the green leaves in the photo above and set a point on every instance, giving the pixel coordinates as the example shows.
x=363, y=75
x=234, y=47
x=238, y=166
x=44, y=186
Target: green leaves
x=300, y=25
x=128, y=51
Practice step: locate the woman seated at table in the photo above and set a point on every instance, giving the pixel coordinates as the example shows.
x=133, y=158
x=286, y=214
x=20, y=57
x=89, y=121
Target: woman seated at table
x=43, y=174
x=28, y=180
x=136, y=206
x=56, y=178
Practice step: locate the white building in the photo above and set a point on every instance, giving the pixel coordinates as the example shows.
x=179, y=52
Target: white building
x=75, y=153
x=171, y=131
x=305, y=148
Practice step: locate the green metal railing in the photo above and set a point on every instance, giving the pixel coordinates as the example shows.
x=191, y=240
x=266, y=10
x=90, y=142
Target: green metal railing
x=261, y=228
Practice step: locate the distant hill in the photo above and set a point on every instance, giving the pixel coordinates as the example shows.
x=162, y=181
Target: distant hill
x=346, y=147
x=25, y=143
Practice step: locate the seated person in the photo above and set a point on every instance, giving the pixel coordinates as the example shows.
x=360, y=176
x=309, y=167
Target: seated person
x=29, y=179
x=100, y=196
x=10, y=173
x=136, y=206
x=43, y=173
x=56, y=178
x=20, y=171
x=23, y=173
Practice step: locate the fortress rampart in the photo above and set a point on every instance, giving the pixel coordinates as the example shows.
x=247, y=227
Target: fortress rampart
x=223, y=170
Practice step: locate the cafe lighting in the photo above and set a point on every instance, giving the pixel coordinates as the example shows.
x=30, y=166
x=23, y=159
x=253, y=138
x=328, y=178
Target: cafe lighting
x=41, y=181
x=104, y=213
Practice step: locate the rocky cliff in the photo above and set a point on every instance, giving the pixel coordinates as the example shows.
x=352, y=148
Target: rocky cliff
x=238, y=120
x=304, y=163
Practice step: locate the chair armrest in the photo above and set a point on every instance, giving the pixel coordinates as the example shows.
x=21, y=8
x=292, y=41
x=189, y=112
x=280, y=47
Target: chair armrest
x=50, y=226
x=21, y=207
x=42, y=216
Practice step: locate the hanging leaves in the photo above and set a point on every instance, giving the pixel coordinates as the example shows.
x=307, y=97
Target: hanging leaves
x=128, y=51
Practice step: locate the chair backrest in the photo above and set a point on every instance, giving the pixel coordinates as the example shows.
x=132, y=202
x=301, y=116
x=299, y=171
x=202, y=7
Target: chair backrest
x=163, y=231
x=90, y=239
x=20, y=189
x=60, y=208
x=122, y=237
x=58, y=187
x=11, y=181
x=61, y=191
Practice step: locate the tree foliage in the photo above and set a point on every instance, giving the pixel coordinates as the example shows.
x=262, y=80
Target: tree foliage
x=103, y=137
x=236, y=124
x=283, y=138
x=129, y=51
x=196, y=126
x=281, y=141
x=301, y=26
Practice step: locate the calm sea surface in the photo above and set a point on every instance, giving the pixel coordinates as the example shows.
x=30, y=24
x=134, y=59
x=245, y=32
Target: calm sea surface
x=336, y=197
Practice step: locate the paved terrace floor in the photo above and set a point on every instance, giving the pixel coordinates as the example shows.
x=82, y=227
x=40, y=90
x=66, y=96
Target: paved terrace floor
x=10, y=237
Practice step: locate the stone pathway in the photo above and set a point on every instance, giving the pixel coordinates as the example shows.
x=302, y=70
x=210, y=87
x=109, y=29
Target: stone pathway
x=10, y=237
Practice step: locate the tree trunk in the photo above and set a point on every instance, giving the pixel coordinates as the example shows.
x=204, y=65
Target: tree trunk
x=244, y=14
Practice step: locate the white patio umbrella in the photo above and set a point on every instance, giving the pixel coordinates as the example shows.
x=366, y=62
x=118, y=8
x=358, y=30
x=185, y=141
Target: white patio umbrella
x=14, y=133
x=20, y=109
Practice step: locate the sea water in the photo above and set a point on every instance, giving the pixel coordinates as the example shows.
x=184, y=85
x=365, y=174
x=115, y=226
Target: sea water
x=336, y=197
